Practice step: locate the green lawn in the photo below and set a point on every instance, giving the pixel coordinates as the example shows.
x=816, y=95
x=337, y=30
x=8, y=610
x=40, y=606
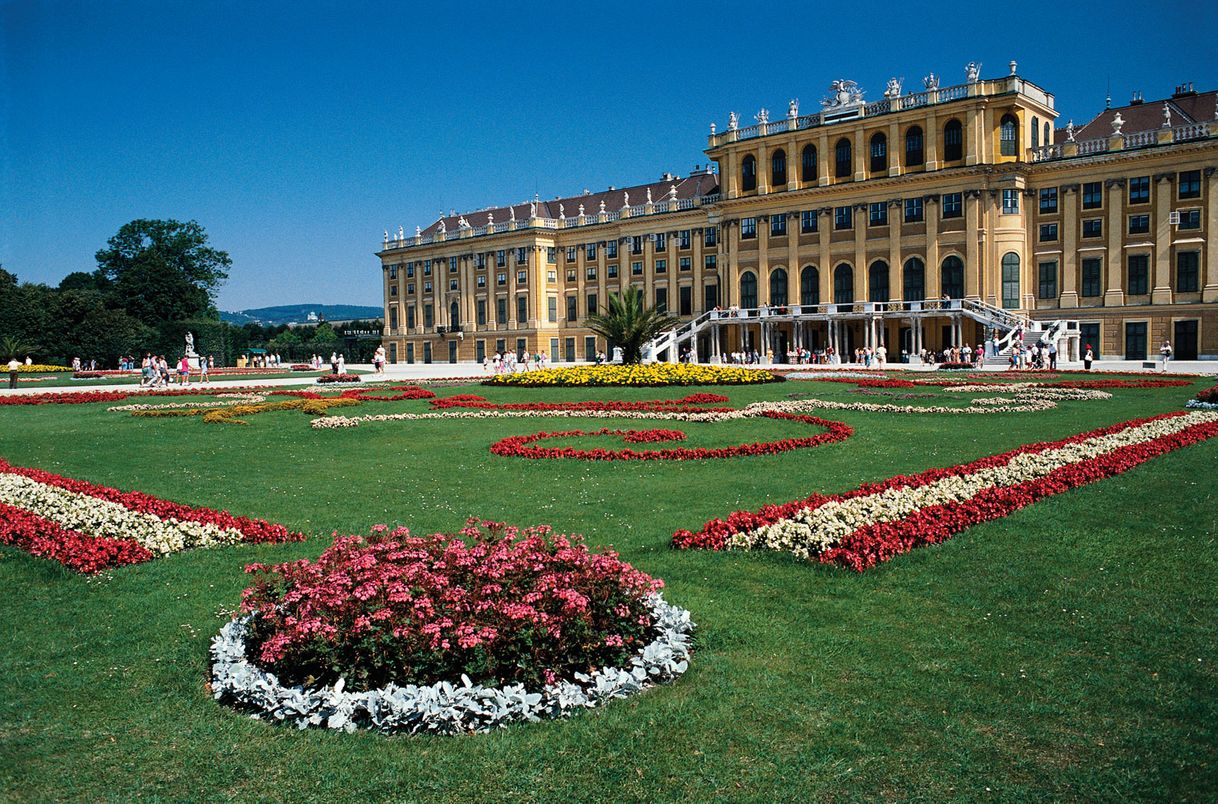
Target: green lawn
x=64, y=380
x=1065, y=652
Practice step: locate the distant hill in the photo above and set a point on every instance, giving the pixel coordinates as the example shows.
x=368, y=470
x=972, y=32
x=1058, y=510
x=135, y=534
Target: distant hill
x=299, y=313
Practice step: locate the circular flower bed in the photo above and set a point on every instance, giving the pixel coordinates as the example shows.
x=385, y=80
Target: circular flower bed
x=326, y=379
x=655, y=374
x=446, y=633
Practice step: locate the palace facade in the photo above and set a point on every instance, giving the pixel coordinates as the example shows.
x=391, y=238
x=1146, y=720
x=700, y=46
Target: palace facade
x=922, y=220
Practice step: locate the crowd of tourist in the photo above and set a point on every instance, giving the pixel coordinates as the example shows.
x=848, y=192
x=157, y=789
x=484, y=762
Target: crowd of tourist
x=510, y=362
x=155, y=371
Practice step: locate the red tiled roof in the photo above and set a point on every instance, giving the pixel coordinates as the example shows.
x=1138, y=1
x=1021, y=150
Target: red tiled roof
x=687, y=187
x=1190, y=108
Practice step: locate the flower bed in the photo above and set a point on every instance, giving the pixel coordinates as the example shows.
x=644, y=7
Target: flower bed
x=653, y=375
x=327, y=379
x=1205, y=400
x=41, y=368
x=446, y=633
x=957, y=365
x=875, y=522
x=89, y=527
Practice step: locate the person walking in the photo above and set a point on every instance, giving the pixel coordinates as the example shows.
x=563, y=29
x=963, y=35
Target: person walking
x=1164, y=355
x=1088, y=356
x=342, y=364
x=204, y=369
x=14, y=366
x=334, y=362
x=1052, y=356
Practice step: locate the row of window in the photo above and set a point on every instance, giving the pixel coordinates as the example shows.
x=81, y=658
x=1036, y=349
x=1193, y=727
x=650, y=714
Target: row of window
x=913, y=283
x=1136, y=280
x=1188, y=185
x=951, y=205
x=843, y=156
x=1190, y=219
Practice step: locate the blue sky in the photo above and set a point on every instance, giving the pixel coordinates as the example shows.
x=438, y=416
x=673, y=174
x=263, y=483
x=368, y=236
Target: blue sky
x=296, y=132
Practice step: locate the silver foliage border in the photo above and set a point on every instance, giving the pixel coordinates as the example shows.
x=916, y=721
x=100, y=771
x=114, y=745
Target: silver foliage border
x=443, y=708
x=1197, y=404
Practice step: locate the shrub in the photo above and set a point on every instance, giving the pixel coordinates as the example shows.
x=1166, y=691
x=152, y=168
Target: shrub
x=494, y=603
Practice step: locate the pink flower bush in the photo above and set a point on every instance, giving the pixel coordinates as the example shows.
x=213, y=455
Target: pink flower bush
x=495, y=603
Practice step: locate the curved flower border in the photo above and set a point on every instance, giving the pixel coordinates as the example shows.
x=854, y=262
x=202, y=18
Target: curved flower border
x=444, y=707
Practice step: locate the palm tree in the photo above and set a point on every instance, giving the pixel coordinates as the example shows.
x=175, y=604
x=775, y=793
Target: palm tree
x=628, y=324
x=13, y=347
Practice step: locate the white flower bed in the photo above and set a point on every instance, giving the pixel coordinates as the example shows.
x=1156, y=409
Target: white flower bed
x=248, y=399
x=444, y=707
x=97, y=517
x=1197, y=404
x=811, y=531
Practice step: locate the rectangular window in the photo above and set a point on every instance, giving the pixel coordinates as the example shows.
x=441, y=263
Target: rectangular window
x=662, y=300
x=480, y=308
x=570, y=274
x=501, y=278
x=683, y=238
x=393, y=272
x=1092, y=283
x=1139, y=224
x=552, y=309
x=1187, y=270
x=1093, y=227
x=480, y=260
x=572, y=308
x=429, y=316
x=522, y=309
x=710, y=236
x=500, y=345
x=572, y=251
x=1048, y=232
x=410, y=353
x=410, y=316
x=522, y=256
x=914, y=210
x=480, y=351
x=685, y=264
x=410, y=287
x=1190, y=184
x=611, y=249
x=685, y=300
x=452, y=265
x=711, y=263
x=661, y=240
x=710, y=297
x=551, y=255
x=500, y=258
x=877, y=213
x=589, y=348
x=481, y=280
x=748, y=228
x=410, y=270
x=569, y=350
x=501, y=309
x=1010, y=202
x=552, y=276
x=636, y=268
x=1048, y=201
x=522, y=277
x=843, y=217
x=590, y=251
x=1137, y=281
x=1093, y=195
x=452, y=284
x=1190, y=219
x=953, y=205
x=591, y=304
x=778, y=225
x=1135, y=340
x=1139, y=190
x=591, y=272
x=661, y=266
x=393, y=318
x=807, y=221
x=393, y=290
x=1047, y=284
x=426, y=267
x=427, y=286
x=611, y=271
x=636, y=244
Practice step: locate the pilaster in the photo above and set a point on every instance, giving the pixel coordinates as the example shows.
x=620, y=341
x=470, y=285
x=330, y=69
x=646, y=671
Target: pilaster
x=1209, y=289
x=1161, y=290
x=1068, y=236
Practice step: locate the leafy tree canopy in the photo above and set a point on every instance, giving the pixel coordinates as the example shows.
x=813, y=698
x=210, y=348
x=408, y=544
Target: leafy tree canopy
x=162, y=270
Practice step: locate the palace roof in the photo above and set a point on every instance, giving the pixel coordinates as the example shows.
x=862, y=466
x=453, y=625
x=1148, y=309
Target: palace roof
x=1186, y=107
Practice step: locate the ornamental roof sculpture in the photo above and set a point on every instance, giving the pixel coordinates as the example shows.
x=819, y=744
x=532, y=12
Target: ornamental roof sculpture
x=842, y=94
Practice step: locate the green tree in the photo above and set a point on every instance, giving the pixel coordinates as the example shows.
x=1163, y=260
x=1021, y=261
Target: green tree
x=162, y=270
x=628, y=323
x=325, y=334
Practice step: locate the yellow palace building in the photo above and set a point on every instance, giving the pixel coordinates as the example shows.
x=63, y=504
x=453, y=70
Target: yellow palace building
x=922, y=220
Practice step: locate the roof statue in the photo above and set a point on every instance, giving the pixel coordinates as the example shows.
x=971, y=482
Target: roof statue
x=562, y=212
x=1117, y=122
x=712, y=128
x=602, y=206
x=1013, y=65
x=931, y=82
x=462, y=223
x=386, y=235
x=893, y=91
x=512, y=213
x=401, y=233
x=490, y=219
x=581, y=210
x=649, y=195
x=443, y=228
x=418, y=231
x=763, y=116
x=733, y=121
x=793, y=107
x=1070, y=130
x=1166, y=115
x=842, y=93
x=533, y=209
x=625, y=199
x=672, y=192
x=973, y=71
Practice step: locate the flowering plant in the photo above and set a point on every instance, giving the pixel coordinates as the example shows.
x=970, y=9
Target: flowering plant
x=41, y=368
x=493, y=603
x=326, y=379
x=655, y=374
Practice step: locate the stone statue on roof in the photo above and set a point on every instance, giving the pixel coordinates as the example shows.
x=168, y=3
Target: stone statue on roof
x=490, y=219
x=386, y=235
x=793, y=107
x=973, y=71
x=532, y=209
x=712, y=128
x=672, y=192
x=733, y=121
x=1070, y=130
x=1117, y=122
x=625, y=199
x=649, y=195
x=602, y=205
x=893, y=90
x=401, y=233
x=1166, y=115
x=842, y=93
x=763, y=116
x=581, y=210
x=562, y=212
x=512, y=213
x=462, y=223
x=418, y=231
x=931, y=82
x=443, y=228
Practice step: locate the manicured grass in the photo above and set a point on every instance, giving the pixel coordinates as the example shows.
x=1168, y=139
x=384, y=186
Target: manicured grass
x=66, y=381
x=1065, y=652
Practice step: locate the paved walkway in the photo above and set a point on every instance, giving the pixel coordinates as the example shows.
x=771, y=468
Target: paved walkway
x=409, y=372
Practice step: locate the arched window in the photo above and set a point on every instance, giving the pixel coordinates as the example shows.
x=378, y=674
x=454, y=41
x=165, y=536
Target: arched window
x=1036, y=132
x=807, y=164
x=877, y=282
x=879, y=153
x=778, y=287
x=1008, y=135
x=914, y=288
x=952, y=277
x=953, y=141
x=1048, y=135
x=809, y=286
x=778, y=168
x=748, y=290
x=748, y=173
x=843, y=284
x=454, y=315
x=843, y=168
x=1010, y=280
x=914, y=150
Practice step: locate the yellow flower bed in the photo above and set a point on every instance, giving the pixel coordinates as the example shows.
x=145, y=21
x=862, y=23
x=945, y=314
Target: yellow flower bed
x=40, y=369
x=656, y=374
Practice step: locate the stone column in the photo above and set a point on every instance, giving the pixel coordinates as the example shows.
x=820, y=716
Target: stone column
x=1068, y=237
x=930, y=140
x=860, y=155
x=895, y=149
x=1114, y=294
x=1161, y=287
x=824, y=160
x=1209, y=258
x=975, y=209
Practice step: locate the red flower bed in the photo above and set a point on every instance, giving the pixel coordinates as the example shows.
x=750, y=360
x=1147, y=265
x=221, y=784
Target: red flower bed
x=1100, y=384
x=327, y=379
x=714, y=534
x=957, y=365
x=519, y=446
x=865, y=382
x=1209, y=395
x=404, y=392
x=46, y=539
x=652, y=436
x=493, y=603
x=254, y=530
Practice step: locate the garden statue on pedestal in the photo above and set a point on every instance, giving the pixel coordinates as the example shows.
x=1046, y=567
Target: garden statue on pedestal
x=191, y=355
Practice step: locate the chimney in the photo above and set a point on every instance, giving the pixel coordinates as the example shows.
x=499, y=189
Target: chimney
x=1136, y=100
